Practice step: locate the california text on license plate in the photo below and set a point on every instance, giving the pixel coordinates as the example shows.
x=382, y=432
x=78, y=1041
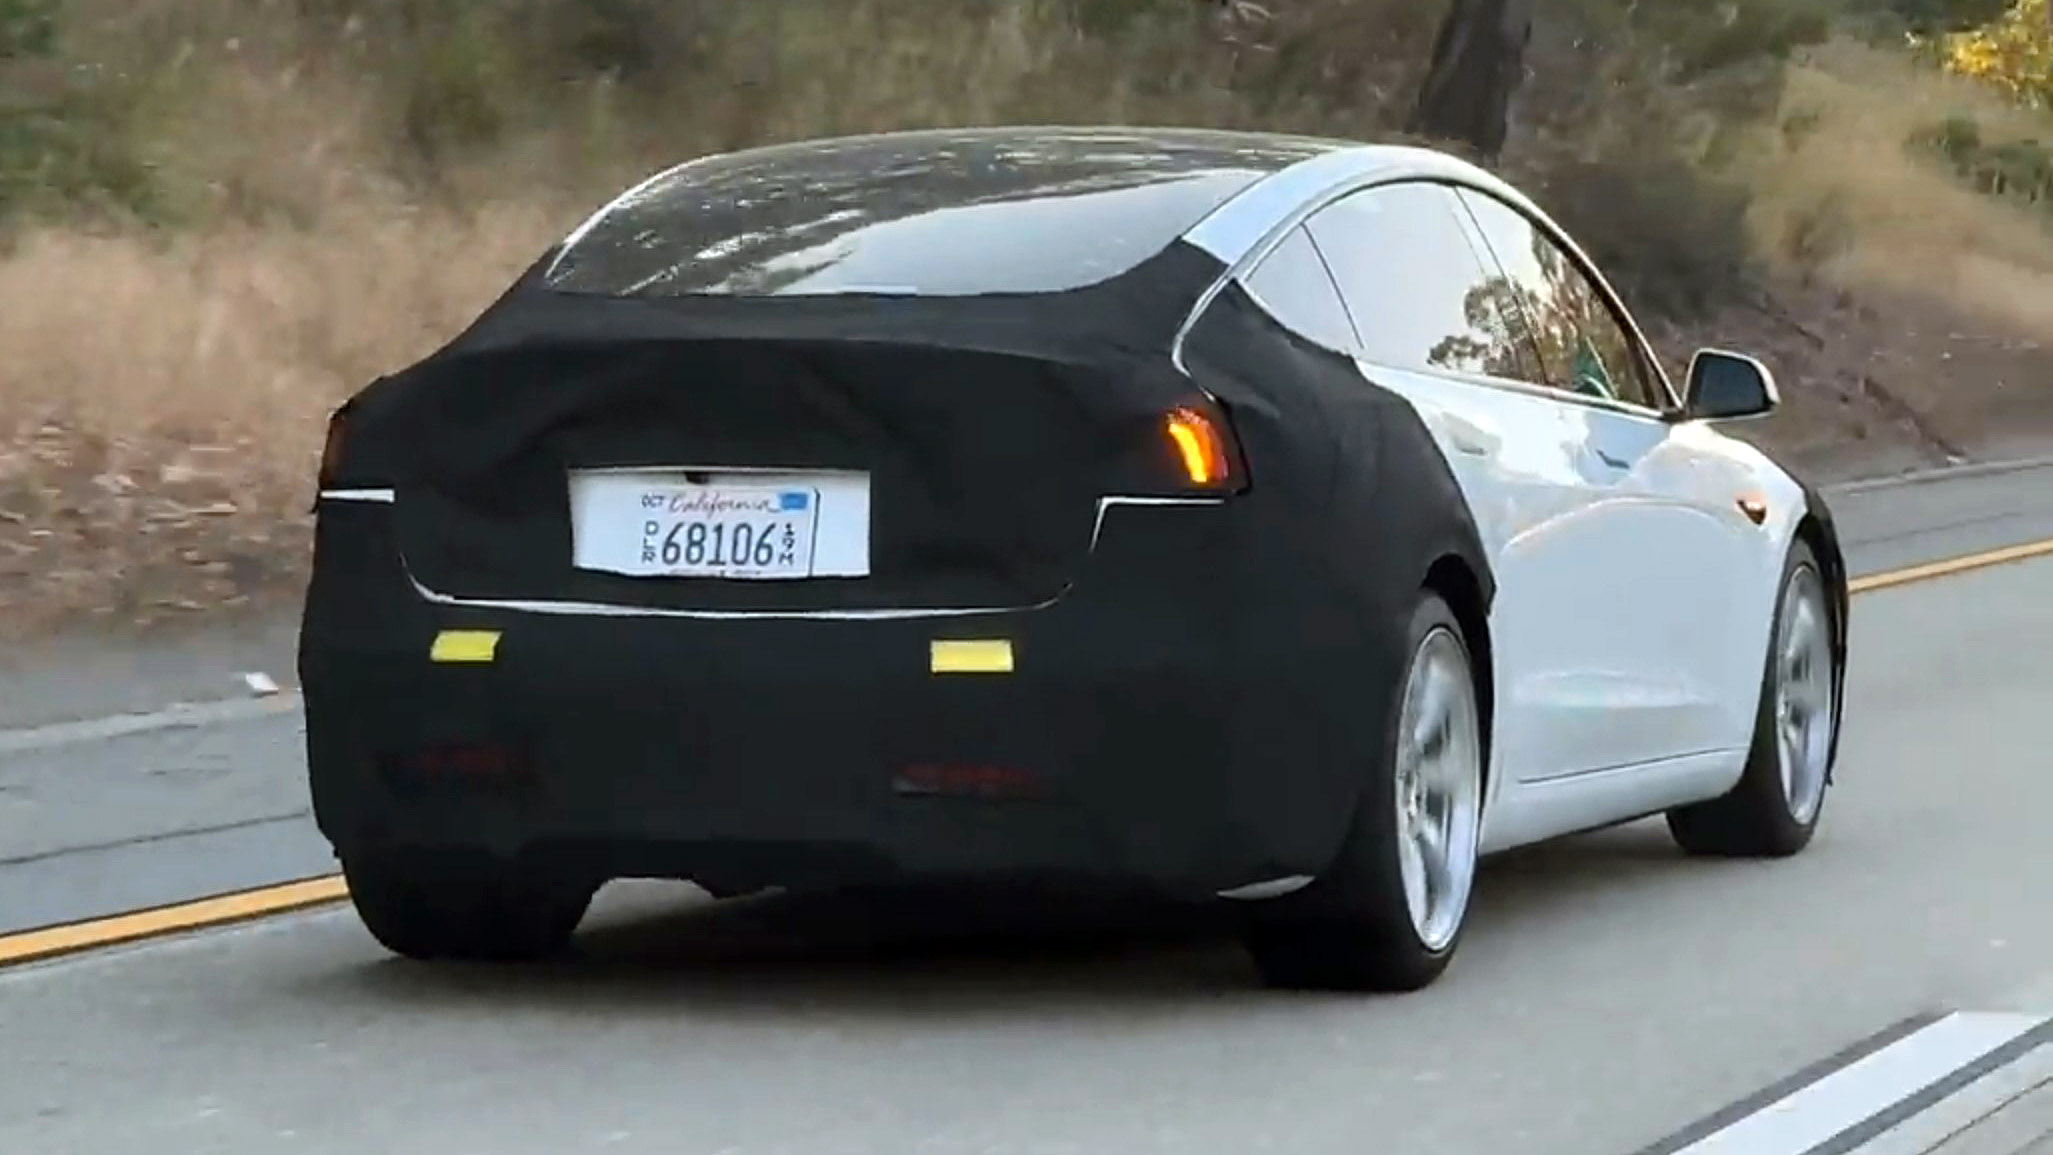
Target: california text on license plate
x=727, y=531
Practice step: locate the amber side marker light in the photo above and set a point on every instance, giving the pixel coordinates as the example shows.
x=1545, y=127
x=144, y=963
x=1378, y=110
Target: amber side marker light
x=1201, y=445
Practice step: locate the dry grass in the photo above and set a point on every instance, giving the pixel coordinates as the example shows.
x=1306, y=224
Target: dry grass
x=161, y=401
x=1848, y=198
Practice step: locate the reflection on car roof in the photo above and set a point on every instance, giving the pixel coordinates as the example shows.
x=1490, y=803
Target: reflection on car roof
x=938, y=212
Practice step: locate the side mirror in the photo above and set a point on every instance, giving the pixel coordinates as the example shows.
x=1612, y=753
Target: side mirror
x=1728, y=386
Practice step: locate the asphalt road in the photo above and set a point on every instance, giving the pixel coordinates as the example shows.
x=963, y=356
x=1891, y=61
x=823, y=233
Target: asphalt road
x=1890, y=524
x=1610, y=992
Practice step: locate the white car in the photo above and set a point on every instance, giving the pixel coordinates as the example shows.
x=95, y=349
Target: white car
x=1280, y=520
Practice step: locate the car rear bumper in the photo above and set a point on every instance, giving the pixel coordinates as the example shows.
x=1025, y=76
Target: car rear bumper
x=1155, y=728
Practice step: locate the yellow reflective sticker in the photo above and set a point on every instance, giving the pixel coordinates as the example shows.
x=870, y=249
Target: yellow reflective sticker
x=465, y=646
x=971, y=656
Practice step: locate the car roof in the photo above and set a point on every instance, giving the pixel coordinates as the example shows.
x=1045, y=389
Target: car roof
x=1244, y=145
x=1011, y=209
x=1260, y=153
x=1231, y=193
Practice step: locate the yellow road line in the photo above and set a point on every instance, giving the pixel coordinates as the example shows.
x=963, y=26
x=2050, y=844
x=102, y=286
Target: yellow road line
x=49, y=942
x=27, y=946
x=1939, y=569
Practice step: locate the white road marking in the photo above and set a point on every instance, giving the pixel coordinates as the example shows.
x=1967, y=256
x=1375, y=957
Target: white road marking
x=1965, y=1108
x=182, y=716
x=1809, y=1118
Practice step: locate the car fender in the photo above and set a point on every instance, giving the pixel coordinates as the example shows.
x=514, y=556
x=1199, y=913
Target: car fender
x=1792, y=501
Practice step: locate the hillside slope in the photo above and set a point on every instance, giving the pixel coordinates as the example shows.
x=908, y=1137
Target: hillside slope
x=220, y=218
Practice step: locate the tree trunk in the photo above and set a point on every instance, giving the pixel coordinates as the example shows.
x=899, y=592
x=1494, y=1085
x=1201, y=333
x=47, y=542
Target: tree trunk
x=1478, y=63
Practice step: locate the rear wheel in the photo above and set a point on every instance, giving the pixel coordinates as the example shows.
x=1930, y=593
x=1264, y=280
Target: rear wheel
x=463, y=907
x=1774, y=810
x=1389, y=912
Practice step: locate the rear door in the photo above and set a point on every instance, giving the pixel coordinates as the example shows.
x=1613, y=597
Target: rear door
x=1656, y=601
x=1437, y=327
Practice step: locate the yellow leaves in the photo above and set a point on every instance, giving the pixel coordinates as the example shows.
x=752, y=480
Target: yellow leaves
x=2013, y=52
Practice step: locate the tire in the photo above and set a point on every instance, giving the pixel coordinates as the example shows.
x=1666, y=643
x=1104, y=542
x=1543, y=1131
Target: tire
x=463, y=907
x=1368, y=923
x=1774, y=811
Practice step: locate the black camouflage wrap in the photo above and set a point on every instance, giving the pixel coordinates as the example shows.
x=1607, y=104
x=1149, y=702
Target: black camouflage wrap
x=1199, y=690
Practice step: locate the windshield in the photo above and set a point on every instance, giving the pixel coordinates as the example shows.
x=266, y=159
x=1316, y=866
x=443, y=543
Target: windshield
x=940, y=214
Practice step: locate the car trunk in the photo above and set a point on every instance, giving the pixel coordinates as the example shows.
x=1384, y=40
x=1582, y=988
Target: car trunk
x=926, y=477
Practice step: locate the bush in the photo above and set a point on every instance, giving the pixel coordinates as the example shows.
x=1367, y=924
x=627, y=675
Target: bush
x=566, y=98
x=28, y=29
x=1672, y=240
x=1632, y=128
x=66, y=140
x=2013, y=53
x=2020, y=169
x=1890, y=21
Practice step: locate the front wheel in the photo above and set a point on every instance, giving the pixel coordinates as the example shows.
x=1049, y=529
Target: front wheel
x=1388, y=914
x=1774, y=811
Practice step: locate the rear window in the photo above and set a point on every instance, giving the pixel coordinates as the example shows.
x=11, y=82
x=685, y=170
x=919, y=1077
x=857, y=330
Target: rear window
x=932, y=214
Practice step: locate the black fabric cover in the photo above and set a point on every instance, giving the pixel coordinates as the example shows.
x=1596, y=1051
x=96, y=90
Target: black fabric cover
x=1375, y=502
x=1356, y=501
x=1832, y=559
x=1211, y=687
x=989, y=425
x=1026, y=409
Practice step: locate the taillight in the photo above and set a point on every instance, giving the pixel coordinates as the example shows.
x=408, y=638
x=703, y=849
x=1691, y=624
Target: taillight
x=331, y=452
x=1203, y=447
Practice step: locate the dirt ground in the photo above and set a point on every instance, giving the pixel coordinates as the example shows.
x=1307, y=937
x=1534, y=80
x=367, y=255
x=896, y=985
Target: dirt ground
x=1882, y=385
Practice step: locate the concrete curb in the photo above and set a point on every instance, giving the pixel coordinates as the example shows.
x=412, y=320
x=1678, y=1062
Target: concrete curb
x=1942, y=473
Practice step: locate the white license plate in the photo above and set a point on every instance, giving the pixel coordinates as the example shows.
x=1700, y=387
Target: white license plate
x=753, y=527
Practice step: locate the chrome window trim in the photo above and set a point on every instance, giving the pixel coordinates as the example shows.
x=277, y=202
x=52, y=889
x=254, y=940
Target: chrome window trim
x=1244, y=230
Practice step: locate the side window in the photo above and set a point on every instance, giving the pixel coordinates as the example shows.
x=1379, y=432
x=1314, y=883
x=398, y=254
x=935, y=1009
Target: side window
x=1583, y=344
x=1293, y=285
x=1420, y=297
